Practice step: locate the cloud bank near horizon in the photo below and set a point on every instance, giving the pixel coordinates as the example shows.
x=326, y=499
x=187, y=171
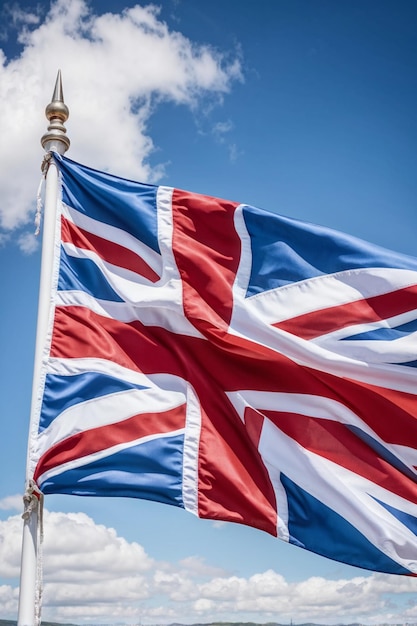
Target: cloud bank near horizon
x=91, y=574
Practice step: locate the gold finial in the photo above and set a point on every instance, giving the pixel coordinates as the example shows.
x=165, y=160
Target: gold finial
x=57, y=113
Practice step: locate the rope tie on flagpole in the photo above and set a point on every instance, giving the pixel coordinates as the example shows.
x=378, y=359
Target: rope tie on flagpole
x=44, y=169
x=33, y=500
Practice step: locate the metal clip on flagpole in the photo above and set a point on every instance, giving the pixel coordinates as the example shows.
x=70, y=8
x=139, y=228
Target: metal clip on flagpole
x=55, y=139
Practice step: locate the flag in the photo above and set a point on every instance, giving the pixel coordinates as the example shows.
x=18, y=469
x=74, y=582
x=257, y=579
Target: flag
x=239, y=364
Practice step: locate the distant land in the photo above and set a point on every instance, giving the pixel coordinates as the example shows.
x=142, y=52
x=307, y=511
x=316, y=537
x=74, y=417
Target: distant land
x=13, y=622
x=9, y=622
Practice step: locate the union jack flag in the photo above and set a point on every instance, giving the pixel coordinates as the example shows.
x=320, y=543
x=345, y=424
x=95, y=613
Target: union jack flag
x=241, y=365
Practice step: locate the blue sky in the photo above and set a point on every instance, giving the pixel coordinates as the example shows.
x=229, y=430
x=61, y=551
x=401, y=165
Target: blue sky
x=303, y=107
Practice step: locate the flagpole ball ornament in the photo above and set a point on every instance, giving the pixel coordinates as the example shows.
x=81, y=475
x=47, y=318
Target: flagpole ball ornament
x=57, y=114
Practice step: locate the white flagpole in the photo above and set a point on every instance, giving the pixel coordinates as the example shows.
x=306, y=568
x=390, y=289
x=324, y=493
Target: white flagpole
x=55, y=139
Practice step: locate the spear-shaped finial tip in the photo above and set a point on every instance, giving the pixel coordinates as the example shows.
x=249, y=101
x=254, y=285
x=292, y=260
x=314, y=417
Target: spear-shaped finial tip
x=58, y=94
x=57, y=113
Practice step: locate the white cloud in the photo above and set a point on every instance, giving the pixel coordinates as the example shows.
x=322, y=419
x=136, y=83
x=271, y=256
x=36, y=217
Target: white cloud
x=85, y=565
x=8, y=600
x=197, y=567
x=28, y=242
x=221, y=128
x=80, y=550
x=315, y=599
x=12, y=503
x=220, y=132
x=116, y=68
x=13, y=15
x=10, y=547
x=218, y=524
x=91, y=574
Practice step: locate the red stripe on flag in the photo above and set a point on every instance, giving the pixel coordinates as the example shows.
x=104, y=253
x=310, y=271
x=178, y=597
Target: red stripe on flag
x=104, y=437
x=233, y=483
x=109, y=251
x=207, y=262
x=227, y=365
x=254, y=421
x=335, y=442
x=321, y=322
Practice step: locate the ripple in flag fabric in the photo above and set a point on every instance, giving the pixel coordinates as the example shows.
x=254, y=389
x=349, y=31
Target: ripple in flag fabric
x=239, y=364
